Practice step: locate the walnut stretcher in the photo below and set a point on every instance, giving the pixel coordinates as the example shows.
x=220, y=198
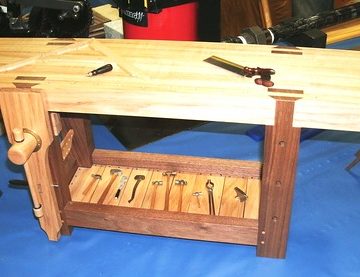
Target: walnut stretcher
x=45, y=99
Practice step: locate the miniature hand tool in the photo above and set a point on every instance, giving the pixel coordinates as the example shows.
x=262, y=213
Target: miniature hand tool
x=264, y=73
x=138, y=179
x=354, y=162
x=114, y=172
x=240, y=194
x=210, y=188
x=95, y=178
x=123, y=181
x=168, y=175
x=153, y=197
x=197, y=194
x=100, y=70
x=181, y=183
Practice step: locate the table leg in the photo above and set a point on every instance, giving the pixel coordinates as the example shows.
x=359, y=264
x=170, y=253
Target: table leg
x=280, y=158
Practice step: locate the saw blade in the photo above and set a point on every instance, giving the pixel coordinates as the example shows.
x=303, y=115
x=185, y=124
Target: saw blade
x=230, y=66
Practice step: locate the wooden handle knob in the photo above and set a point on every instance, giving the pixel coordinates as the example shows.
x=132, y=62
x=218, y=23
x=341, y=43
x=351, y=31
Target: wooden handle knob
x=18, y=134
x=20, y=151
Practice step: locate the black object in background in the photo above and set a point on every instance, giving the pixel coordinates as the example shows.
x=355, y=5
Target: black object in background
x=209, y=20
x=296, y=26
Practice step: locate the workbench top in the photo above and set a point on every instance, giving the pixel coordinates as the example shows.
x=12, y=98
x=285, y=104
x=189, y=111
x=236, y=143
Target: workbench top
x=169, y=79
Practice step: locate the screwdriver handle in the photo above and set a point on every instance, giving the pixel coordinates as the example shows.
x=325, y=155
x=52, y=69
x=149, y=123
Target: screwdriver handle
x=100, y=70
x=117, y=193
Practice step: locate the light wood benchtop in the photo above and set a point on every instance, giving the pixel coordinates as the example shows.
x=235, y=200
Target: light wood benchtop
x=170, y=79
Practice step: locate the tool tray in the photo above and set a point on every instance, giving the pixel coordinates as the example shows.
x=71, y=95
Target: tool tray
x=87, y=195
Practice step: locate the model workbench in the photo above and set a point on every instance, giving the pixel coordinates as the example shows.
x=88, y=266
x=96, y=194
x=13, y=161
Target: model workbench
x=45, y=97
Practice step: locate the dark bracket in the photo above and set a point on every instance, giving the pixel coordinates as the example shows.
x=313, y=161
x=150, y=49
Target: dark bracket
x=53, y=4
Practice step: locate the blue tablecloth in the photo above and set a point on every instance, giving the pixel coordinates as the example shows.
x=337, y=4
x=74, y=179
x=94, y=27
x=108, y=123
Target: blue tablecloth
x=323, y=239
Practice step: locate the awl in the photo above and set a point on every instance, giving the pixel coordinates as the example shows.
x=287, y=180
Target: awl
x=100, y=70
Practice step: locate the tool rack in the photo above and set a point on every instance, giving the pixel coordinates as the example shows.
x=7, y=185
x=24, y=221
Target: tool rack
x=46, y=98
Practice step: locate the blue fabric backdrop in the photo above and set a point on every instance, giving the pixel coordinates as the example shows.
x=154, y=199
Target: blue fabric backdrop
x=323, y=239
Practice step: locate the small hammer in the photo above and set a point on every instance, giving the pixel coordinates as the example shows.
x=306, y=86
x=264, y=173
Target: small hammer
x=114, y=172
x=168, y=175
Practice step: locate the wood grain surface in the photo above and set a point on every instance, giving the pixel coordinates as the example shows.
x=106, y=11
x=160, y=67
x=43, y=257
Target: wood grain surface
x=343, y=31
x=162, y=223
x=169, y=79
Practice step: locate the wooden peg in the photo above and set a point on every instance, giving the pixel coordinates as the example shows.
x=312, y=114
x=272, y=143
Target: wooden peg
x=18, y=135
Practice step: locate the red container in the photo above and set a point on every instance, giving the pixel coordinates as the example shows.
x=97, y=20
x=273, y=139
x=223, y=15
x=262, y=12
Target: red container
x=172, y=23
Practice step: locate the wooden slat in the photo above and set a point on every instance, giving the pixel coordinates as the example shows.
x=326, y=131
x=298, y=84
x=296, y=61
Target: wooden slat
x=343, y=31
x=178, y=163
x=140, y=191
x=84, y=182
x=110, y=199
x=252, y=204
x=231, y=206
x=106, y=13
x=169, y=224
x=155, y=194
x=200, y=185
x=154, y=89
x=103, y=185
x=175, y=193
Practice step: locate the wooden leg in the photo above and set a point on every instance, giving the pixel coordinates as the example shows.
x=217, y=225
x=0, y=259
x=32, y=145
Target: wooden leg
x=280, y=157
x=80, y=154
x=62, y=172
x=83, y=145
x=265, y=13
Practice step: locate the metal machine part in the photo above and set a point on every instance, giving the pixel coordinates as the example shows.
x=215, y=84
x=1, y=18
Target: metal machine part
x=43, y=18
x=296, y=26
x=152, y=6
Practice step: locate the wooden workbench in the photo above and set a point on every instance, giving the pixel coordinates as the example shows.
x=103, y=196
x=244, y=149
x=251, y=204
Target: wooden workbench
x=45, y=95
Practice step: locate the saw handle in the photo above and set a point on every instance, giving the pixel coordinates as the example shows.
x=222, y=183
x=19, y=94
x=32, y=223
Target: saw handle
x=264, y=73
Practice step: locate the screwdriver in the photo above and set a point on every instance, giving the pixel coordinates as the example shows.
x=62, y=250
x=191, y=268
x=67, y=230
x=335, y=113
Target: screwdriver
x=100, y=70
